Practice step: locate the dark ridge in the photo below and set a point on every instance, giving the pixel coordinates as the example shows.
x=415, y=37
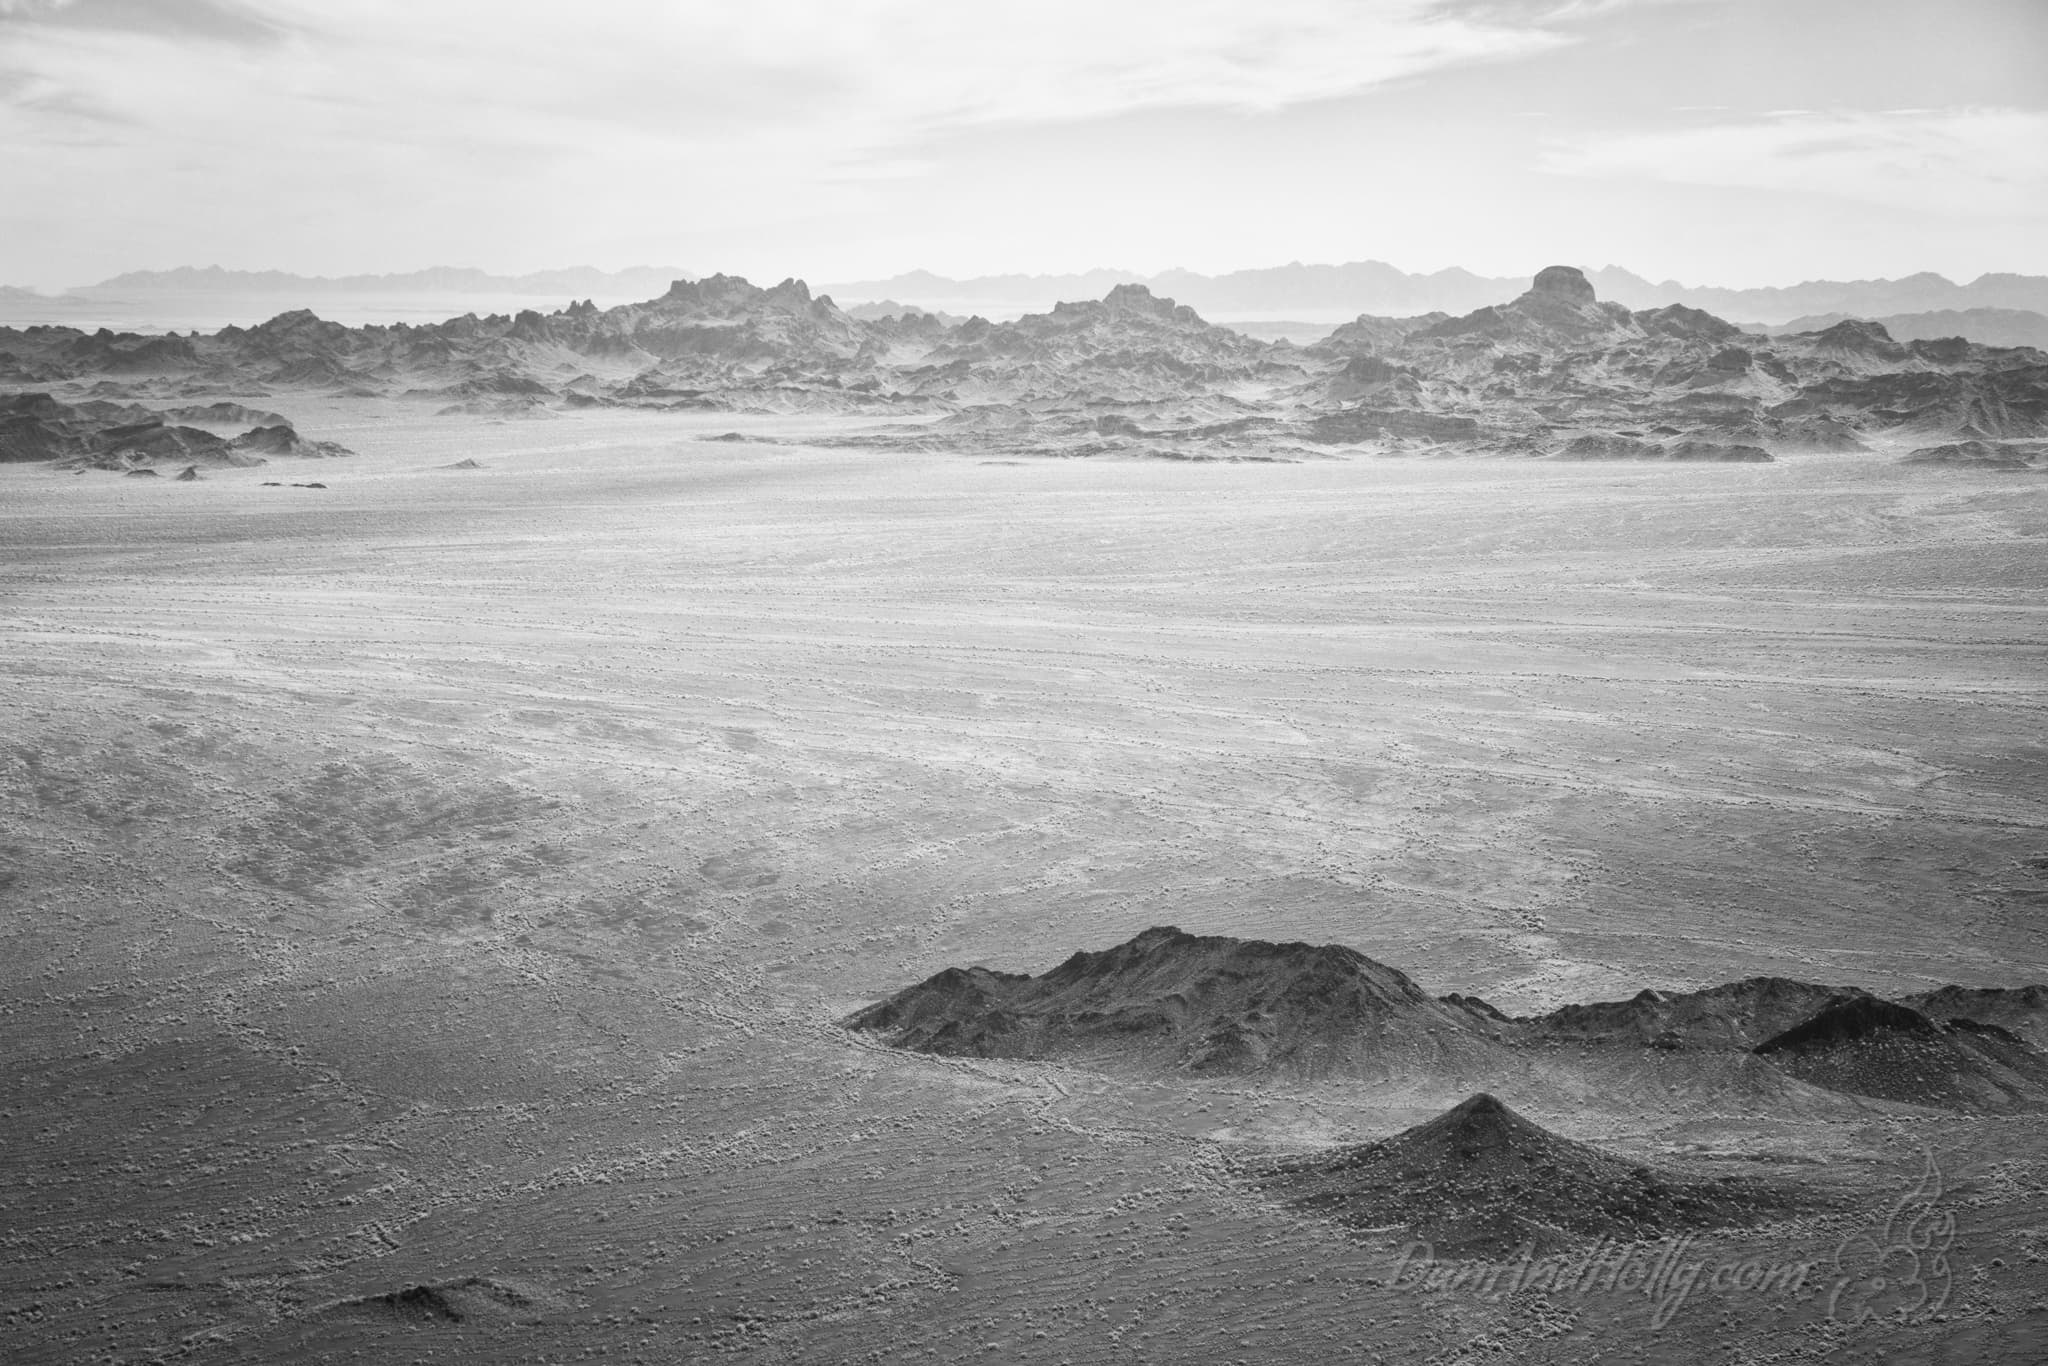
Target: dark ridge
x=1736, y=1015
x=1476, y=1006
x=1870, y=1047
x=2023, y=1010
x=416, y=1302
x=1847, y=1021
x=1171, y=1001
x=1988, y=1030
x=1168, y=998
x=465, y=1300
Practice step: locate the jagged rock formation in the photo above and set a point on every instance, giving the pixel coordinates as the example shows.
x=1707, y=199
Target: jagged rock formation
x=1553, y=372
x=1482, y=1181
x=1559, y=307
x=1556, y=370
x=1132, y=347
x=98, y=434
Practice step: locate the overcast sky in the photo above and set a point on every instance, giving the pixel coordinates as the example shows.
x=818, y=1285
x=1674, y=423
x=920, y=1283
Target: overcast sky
x=1728, y=142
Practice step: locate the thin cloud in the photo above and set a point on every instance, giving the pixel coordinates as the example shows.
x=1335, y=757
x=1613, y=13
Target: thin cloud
x=1945, y=161
x=886, y=70
x=1547, y=11
x=754, y=99
x=204, y=20
x=68, y=110
x=846, y=136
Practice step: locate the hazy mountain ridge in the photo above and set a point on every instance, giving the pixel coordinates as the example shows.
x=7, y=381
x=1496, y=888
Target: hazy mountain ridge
x=568, y=281
x=1377, y=287
x=1354, y=286
x=1991, y=326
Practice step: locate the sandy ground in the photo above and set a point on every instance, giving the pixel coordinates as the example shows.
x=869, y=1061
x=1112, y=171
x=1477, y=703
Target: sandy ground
x=451, y=877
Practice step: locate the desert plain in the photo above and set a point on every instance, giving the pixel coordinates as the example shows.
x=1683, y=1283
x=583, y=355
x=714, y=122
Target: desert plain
x=428, y=902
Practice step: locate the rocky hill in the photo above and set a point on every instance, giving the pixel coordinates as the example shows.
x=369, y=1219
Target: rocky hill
x=1200, y=1004
x=434, y=279
x=1870, y=1047
x=1482, y=1181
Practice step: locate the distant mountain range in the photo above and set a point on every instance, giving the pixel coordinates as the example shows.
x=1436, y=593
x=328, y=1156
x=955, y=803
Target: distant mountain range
x=1336, y=292
x=638, y=282
x=1376, y=287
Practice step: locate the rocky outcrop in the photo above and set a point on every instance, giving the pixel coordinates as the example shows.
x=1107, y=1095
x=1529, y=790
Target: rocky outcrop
x=1560, y=309
x=123, y=437
x=1128, y=347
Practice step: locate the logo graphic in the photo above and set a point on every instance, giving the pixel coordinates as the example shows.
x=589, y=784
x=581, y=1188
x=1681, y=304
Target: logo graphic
x=1898, y=1271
